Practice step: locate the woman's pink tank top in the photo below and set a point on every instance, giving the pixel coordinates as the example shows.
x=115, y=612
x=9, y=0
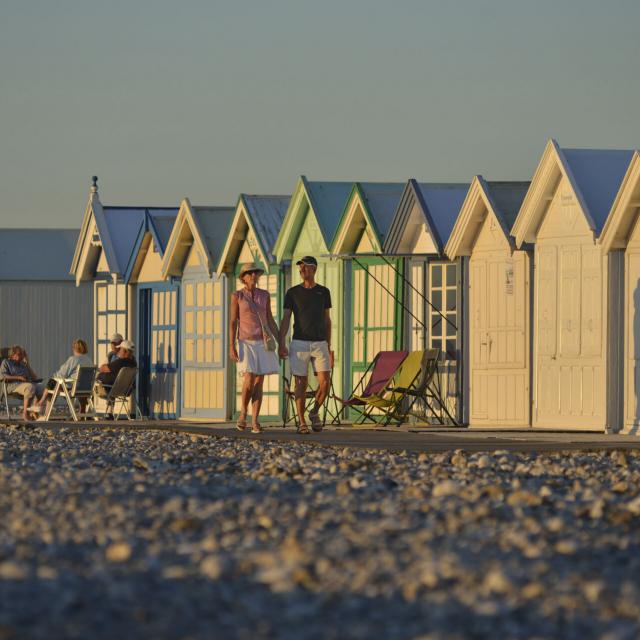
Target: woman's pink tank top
x=249, y=327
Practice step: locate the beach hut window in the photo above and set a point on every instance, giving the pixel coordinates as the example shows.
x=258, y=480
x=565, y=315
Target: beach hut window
x=111, y=315
x=442, y=312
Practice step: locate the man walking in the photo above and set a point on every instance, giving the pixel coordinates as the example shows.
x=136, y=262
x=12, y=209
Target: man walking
x=310, y=304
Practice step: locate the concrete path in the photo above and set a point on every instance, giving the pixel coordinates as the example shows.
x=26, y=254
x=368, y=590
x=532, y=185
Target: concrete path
x=395, y=439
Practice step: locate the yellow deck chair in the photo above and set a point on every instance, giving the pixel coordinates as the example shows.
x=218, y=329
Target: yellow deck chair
x=389, y=399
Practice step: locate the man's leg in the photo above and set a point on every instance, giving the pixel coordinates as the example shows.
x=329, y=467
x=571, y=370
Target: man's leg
x=300, y=394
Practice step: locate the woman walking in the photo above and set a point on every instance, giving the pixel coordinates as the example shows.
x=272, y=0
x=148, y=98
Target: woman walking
x=253, y=325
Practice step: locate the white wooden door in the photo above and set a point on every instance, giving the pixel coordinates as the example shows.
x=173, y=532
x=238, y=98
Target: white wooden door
x=499, y=339
x=570, y=367
x=632, y=337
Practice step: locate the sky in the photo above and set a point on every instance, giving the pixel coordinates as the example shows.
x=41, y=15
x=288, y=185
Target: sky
x=206, y=99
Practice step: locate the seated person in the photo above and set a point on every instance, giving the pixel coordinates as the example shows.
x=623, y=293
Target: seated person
x=108, y=372
x=20, y=378
x=114, y=345
x=67, y=370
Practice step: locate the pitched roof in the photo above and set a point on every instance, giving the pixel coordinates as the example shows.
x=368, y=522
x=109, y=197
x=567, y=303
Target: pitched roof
x=162, y=221
x=328, y=200
x=267, y=214
x=214, y=223
x=506, y=198
x=597, y=173
x=441, y=204
x=382, y=199
x=36, y=254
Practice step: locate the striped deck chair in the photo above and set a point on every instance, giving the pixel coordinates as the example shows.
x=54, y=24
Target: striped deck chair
x=390, y=399
x=374, y=379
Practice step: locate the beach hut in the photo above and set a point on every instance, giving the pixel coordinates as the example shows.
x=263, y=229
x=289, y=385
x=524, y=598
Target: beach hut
x=104, y=252
x=40, y=306
x=192, y=254
x=497, y=350
x=419, y=232
x=156, y=310
x=308, y=228
x=621, y=233
x=373, y=309
x=577, y=341
x=251, y=238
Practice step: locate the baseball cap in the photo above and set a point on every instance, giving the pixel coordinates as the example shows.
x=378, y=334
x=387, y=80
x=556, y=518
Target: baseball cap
x=308, y=260
x=116, y=337
x=128, y=345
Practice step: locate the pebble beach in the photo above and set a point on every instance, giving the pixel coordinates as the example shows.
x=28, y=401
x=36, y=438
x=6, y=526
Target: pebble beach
x=108, y=533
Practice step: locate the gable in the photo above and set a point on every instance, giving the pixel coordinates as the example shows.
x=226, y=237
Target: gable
x=150, y=269
x=416, y=236
x=309, y=240
x=102, y=266
x=490, y=236
x=194, y=258
x=563, y=217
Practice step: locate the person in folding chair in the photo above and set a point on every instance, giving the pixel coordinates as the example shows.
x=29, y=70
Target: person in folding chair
x=108, y=372
x=20, y=378
x=310, y=305
x=252, y=323
x=67, y=371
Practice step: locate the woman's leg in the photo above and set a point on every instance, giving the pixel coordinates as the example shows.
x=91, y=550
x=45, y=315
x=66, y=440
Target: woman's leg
x=256, y=399
x=248, y=383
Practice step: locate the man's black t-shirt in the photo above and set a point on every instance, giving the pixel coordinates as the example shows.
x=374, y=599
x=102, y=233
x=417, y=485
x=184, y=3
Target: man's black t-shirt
x=308, y=306
x=114, y=367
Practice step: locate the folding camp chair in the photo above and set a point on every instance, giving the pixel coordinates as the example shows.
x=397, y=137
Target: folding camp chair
x=289, y=411
x=121, y=392
x=388, y=401
x=374, y=379
x=71, y=389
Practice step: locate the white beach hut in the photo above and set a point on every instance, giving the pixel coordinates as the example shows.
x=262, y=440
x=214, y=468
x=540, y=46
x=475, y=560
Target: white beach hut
x=577, y=336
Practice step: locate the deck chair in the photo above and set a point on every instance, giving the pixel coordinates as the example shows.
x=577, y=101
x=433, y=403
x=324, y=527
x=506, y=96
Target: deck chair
x=121, y=391
x=389, y=400
x=71, y=389
x=374, y=379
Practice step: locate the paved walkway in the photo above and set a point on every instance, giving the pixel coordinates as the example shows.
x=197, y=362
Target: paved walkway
x=397, y=439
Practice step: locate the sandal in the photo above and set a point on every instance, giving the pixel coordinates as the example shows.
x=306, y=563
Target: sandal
x=303, y=429
x=241, y=423
x=316, y=423
x=256, y=428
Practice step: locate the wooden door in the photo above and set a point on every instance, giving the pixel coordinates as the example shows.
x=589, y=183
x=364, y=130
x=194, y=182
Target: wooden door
x=632, y=337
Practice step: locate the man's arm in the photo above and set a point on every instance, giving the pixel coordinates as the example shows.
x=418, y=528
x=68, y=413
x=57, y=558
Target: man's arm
x=284, y=329
x=327, y=324
x=233, y=328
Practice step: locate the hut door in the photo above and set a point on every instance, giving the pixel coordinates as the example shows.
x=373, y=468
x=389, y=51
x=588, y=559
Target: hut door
x=499, y=339
x=632, y=359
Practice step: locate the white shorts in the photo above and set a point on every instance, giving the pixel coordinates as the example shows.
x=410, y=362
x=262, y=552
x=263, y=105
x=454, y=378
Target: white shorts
x=254, y=358
x=301, y=352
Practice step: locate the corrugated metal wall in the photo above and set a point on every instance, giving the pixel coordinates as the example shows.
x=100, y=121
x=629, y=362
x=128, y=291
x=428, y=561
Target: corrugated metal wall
x=45, y=317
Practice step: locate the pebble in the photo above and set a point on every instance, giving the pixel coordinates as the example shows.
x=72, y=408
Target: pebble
x=148, y=534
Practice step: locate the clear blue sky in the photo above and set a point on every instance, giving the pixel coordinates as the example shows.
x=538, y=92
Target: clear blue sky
x=206, y=99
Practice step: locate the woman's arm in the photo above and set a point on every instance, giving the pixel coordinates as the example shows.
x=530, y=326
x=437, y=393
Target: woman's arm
x=233, y=327
x=271, y=323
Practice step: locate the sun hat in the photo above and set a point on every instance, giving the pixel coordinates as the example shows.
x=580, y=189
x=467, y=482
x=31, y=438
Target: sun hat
x=128, y=345
x=250, y=266
x=116, y=338
x=308, y=260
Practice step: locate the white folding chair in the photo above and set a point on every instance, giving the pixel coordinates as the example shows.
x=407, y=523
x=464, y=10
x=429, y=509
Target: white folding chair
x=78, y=388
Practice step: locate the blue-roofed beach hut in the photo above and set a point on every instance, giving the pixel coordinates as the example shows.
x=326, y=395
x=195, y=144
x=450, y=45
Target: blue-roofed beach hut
x=156, y=307
x=578, y=288
x=192, y=254
x=621, y=234
x=419, y=232
x=496, y=330
x=106, y=252
x=251, y=238
x=308, y=228
x=40, y=306
x=374, y=296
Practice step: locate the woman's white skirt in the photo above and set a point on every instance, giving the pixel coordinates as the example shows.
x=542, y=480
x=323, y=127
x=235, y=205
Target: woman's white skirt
x=254, y=358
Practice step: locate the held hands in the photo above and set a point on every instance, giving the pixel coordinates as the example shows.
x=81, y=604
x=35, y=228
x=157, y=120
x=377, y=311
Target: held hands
x=283, y=352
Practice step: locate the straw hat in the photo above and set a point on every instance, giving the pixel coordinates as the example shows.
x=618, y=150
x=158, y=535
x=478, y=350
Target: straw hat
x=250, y=266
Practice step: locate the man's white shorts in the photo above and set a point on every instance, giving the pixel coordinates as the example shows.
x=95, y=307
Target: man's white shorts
x=301, y=352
